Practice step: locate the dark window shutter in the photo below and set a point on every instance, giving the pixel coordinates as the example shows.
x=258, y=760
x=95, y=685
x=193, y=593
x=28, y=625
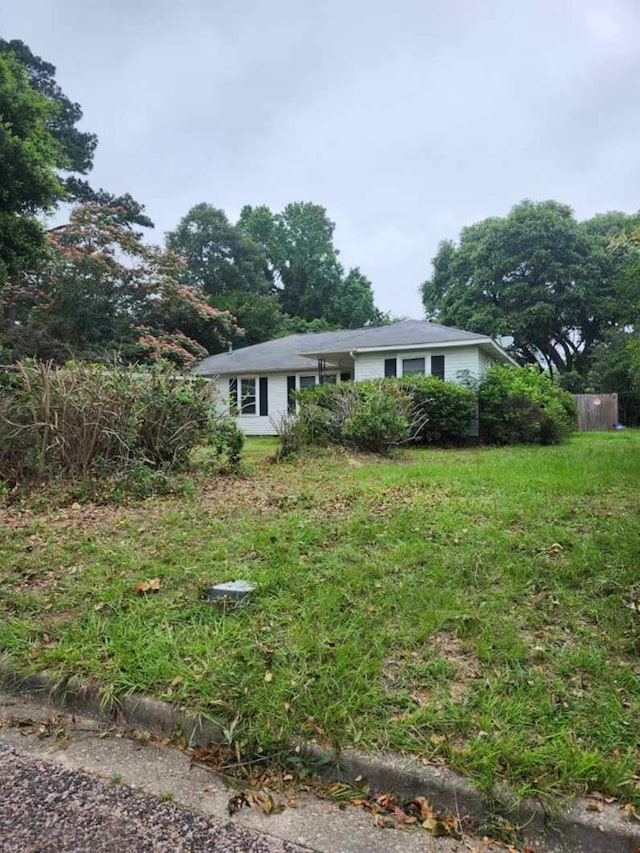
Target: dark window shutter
x=233, y=396
x=291, y=390
x=390, y=367
x=264, y=396
x=437, y=366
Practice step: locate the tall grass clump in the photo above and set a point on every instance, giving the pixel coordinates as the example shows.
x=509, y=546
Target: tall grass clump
x=85, y=420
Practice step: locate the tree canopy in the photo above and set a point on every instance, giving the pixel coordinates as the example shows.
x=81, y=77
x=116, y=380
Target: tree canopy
x=75, y=148
x=29, y=154
x=310, y=280
x=276, y=273
x=220, y=258
x=101, y=291
x=551, y=283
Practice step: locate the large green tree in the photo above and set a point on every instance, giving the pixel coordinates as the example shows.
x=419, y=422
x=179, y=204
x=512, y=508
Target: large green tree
x=352, y=306
x=75, y=148
x=221, y=259
x=101, y=291
x=304, y=261
x=551, y=283
x=231, y=269
x=29, y=154
x=299, y=244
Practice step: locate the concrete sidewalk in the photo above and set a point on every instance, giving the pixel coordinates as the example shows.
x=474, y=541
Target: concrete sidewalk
x=57, y=770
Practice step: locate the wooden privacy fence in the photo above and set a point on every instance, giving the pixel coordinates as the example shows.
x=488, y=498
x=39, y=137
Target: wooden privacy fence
x=596, y=411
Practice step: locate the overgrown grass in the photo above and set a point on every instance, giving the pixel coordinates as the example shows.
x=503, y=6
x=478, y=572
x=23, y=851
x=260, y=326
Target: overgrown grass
x=469, y=606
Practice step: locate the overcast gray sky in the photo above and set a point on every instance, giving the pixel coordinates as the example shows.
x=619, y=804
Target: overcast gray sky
x=407, y=120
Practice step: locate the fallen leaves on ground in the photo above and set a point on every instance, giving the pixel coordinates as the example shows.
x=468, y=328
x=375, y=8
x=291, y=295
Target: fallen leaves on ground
x=236, y=802
x=53, y=727
x=142, y=587
x=267, y=802
x=388, y=812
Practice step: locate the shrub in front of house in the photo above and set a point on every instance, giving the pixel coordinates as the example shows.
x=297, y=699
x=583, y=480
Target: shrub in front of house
x=523, y=405
x=174, y=413
x=381, y=418
x=388, y=412
x=446, y=409
x=375, y=415
x=380, y=414
x=85, y=420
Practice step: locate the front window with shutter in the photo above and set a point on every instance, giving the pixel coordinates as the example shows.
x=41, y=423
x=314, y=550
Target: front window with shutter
x=248, y=396
x=413, y=366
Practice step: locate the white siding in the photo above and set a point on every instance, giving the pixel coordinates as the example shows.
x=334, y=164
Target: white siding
x=457, y=362
x=258, y=424
x=485, y=361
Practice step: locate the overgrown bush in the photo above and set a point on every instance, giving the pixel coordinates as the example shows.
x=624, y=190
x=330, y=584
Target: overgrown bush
x=375, y=415
x=418, y=409
x=227, y=440
x=85, y=420
x=522, y=405
x=380, y=417
x=291, y=434
x=447, y=409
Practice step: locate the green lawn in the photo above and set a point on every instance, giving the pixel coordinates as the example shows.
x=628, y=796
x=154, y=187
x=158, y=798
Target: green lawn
x=470, y=606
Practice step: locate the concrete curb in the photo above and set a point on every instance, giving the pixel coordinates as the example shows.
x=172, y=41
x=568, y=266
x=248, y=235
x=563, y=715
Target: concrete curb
x=577, y=830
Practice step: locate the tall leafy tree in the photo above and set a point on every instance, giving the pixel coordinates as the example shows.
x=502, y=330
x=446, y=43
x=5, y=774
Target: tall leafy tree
x=299, y=243
x=28, y=156
x=304, y=261
x=537, y=275
x=102, y=290
x=75, y=148
x=231, y=269
x=220, y=258
x=616, y=363
x=352, y=305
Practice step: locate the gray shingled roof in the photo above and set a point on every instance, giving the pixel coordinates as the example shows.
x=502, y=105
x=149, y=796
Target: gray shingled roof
x=404, y=333
x=287, y=353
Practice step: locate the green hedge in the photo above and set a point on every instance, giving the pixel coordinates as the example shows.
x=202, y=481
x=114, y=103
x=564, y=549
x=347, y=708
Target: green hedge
x=514, y=405
x=379, y=414
x=448, y=409
x=522, y=405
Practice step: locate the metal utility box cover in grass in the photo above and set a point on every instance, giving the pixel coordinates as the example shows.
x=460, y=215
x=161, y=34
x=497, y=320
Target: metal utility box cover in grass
x=233, y=590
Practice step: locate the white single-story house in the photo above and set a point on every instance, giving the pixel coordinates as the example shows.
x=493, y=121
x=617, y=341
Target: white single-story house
x=259, y=381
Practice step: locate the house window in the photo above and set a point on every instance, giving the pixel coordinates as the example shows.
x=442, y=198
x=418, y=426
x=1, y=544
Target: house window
x=248, y=396
x=391, y=367
x=437, y=366
x=233, y=396
x=413, y=366
x=307, y=382
x=328, y=379
x=345, y=377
